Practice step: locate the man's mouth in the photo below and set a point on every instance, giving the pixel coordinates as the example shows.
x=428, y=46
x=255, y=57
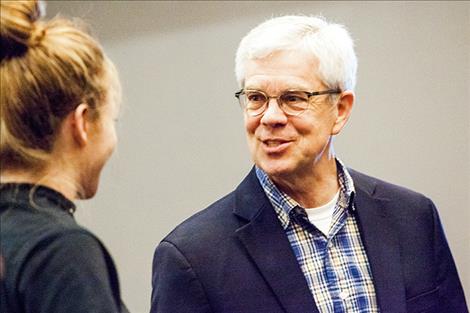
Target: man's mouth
x=274, y=142
x=276, y=145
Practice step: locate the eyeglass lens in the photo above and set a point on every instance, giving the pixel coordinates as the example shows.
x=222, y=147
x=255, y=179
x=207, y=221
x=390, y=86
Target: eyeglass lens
x=291, y=102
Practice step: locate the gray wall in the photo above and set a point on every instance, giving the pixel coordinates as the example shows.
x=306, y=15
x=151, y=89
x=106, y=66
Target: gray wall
x=182, y=141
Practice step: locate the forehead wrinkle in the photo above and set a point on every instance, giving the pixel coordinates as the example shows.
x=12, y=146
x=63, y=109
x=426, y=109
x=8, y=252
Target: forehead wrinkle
x=281, y=71
x=277, y=85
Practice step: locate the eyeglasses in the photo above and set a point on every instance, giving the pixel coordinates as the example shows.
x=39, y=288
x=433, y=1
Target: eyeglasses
x=291, y=102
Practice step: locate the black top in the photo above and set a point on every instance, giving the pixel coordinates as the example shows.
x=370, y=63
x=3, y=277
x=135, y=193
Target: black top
x=51, y=264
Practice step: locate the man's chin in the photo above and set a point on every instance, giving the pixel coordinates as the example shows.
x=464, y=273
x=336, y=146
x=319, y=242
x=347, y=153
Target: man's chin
x=275, y=169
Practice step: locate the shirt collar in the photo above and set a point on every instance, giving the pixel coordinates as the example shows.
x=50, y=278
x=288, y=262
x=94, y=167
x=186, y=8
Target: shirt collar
x=37, y=196
x=346, y=185
x=283, y=204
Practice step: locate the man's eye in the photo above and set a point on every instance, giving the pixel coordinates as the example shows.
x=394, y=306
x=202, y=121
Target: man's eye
x=293, y=98
x=256, y=97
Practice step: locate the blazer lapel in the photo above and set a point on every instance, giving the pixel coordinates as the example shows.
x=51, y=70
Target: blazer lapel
x=267, y=244
x=382, y=246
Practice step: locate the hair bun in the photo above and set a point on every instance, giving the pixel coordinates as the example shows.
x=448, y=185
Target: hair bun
x=18, y=26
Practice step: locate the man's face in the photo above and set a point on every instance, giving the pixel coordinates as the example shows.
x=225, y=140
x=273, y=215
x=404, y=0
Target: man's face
x=280, y=144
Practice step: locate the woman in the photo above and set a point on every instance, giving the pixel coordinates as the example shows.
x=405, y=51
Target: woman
x=59, y=99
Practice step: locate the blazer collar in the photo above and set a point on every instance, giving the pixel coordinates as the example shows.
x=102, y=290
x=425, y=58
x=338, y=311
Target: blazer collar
x=250, y=197
x=381, y=244
x=267, y=244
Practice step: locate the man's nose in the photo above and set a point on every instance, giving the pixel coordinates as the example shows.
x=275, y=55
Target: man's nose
x=273, y=115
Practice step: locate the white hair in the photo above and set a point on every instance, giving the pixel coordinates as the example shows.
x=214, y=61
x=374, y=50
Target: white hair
x=329, y=43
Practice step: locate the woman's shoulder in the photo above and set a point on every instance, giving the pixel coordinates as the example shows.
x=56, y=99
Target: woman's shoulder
x=31, y=214
x=25, y=226
x=38, y=225
x=33, y=237
x=48, y=257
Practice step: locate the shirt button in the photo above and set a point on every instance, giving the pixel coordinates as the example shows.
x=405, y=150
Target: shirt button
x=343, y=295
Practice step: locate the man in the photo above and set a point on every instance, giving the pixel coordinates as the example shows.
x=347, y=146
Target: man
x=303, y=233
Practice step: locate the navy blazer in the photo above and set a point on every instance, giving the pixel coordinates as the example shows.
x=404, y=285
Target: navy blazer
x=235, y=257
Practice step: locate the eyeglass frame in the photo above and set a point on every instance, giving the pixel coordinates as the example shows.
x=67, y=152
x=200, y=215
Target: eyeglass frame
x=268, y=98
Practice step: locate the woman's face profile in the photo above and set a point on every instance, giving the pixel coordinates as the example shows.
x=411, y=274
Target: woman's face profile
x=103, y=141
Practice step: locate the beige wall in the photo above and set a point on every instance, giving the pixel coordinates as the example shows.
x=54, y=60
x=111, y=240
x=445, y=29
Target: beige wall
x=182, y=144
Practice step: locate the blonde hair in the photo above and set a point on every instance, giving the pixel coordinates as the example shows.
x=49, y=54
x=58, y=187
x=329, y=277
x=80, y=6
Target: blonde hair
x=47, y=68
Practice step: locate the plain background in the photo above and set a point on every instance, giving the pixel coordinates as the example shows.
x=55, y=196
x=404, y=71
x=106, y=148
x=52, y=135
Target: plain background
x=182, y=142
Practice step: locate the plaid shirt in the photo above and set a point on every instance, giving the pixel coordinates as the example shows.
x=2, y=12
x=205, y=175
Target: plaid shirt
x=335, y=266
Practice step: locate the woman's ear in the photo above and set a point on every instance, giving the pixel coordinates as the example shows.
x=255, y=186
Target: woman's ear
x=344, y=108
x=80, y=123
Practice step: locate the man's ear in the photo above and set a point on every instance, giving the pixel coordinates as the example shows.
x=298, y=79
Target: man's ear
x=344, y=108
x=80, y=123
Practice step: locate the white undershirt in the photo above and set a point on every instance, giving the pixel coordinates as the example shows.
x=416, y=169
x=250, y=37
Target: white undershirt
x=321, y=216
